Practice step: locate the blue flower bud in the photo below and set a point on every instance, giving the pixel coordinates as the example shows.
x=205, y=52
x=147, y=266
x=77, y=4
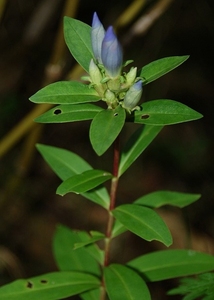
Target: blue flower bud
x=97, y=36
x=111, y=53
x=133, y=96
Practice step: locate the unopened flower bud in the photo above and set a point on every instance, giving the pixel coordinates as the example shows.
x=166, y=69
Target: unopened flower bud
x=96, y=77
x=110, y=98
x=131, y=76
x=133, y=96
x=111, y=54
x=94, y=73
x=97, y=36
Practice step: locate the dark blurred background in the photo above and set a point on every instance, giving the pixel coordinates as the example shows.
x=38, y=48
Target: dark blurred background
x=33, y=54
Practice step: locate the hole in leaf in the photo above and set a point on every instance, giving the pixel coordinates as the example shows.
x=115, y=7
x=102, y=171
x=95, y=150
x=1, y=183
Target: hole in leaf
x=29, y=285
x=116, y=114
x=43, y=281
x=144, y=117
x=57, y=111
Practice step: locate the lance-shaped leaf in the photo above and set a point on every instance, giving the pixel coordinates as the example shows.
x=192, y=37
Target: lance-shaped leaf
x=123, y=283
x=105, y=128
x=144, y=222
x=65, y=92
x=78, y=39
x=63, y=162
x=82, y=260
x=66, y=164
x=160, y=67
x=92, y=249
x=69, y=113
x=83, y=182
x=160, y=198
x=52, y=286
x=91, y=295
x=118, y=228
x=94, y=237
x=166, y=264
x=164, y=112
x=137, y=143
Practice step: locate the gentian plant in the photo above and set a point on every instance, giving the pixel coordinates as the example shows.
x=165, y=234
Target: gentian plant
x=83, y=258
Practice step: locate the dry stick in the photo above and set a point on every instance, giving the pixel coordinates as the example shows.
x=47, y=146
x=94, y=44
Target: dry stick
x=129, y=14
x=147, y=20
x=11, y=263
x=28, y=150
x=56, y=61
x=2, y=7
x=22, y=128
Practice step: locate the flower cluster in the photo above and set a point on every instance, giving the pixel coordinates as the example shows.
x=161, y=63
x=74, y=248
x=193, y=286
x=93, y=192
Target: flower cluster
x=105, y=70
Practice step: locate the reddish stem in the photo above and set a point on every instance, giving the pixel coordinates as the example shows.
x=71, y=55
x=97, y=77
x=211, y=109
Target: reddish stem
x=113, y=191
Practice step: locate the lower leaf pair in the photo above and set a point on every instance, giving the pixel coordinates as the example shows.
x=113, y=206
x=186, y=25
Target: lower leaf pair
x=80, y=272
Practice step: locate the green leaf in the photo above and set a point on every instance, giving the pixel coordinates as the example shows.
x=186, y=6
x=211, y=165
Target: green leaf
x=144, y=222
x=78, y=39
x=160, y=67
x=69, y=259
x=52, y=286
x=123, y=283
x=65, y=92
x=164, y=112
x=105, y=128
x=118, y=228
x=137, y=143
x=99, y=196
x=69, y=113
x=66, y=164
x=92, y=249
x=160, y=198
x=83, y=182
x=63, y=162
x=94, y=237
x=91, y=295
x=166, y=264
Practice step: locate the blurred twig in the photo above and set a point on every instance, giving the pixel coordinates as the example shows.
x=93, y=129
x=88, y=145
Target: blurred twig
x=21, y=129
x=2, y=7
x=56, y=64
x=142, y=25
x=11, y=263
x=129, y=14
x=42, y=16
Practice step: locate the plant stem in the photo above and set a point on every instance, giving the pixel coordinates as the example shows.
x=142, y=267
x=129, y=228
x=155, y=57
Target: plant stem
x=113, y=191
